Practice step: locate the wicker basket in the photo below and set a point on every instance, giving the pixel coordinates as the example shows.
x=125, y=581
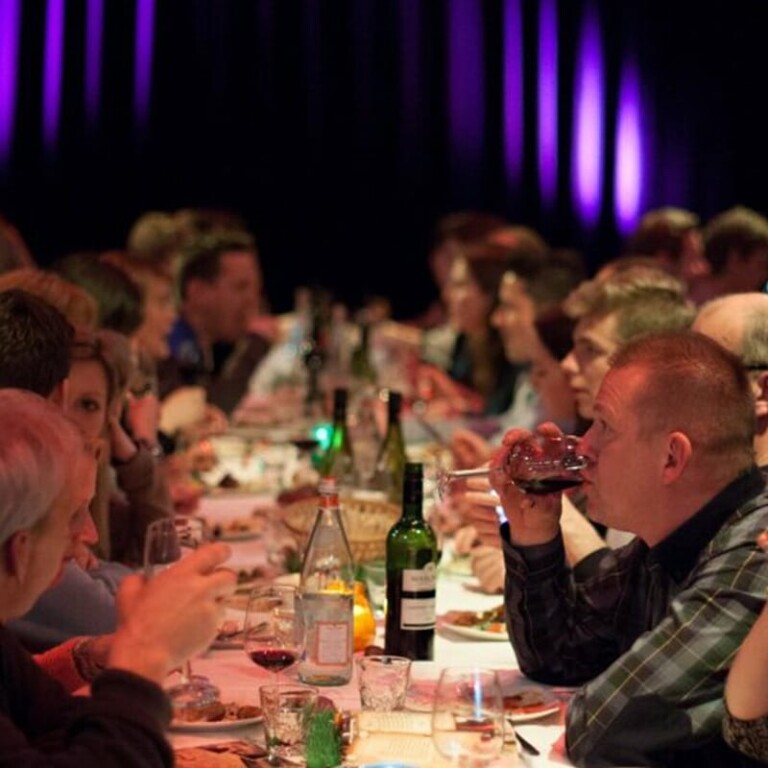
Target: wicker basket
x=366, y=523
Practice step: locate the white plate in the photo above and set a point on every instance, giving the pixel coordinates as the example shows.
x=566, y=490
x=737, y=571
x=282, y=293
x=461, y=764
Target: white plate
x=524, y=717
x=240, y=534
x=473, y=633
x=536, y=703
x=203, y=726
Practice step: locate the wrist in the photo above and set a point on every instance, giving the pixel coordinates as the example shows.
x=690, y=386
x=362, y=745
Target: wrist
x=138, y=657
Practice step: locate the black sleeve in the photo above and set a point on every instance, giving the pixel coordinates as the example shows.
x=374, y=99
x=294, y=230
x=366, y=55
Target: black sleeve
x=121, y=724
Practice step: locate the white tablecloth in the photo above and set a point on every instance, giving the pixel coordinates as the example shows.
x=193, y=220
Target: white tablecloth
x=239, y=679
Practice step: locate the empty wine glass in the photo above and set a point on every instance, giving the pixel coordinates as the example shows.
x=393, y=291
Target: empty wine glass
x=540, y=464
x=468, y=716
x=271, y=634
x=165, y=543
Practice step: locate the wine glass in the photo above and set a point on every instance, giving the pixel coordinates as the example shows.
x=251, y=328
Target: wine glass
x=165, y=543
x=468, y=716
x=270, y=630
x=539, y=465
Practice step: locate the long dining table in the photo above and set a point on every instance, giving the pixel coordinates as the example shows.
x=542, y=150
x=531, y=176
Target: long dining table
x=239, y=678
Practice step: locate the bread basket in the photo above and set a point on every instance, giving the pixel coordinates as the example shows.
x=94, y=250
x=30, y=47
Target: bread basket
x=366, y=522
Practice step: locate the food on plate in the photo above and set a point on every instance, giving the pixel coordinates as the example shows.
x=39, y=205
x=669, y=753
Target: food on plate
x=227, y=754
x=245, y=576
x=528, y=700
x=488, y=621
x=239, y=527
x=229, y=630
x=215, y=712
x=200, y=757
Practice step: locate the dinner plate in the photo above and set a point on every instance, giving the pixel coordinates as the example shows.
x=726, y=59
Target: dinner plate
x=473, y=633
x=244, y=531
x=204, y=726
x=535, y=703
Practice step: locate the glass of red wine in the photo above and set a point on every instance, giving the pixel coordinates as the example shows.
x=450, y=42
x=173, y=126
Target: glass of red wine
x=538, y=465
x=271, y=634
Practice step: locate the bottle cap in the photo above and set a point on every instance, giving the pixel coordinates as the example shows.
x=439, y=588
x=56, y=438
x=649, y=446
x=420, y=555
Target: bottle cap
x=327, y=486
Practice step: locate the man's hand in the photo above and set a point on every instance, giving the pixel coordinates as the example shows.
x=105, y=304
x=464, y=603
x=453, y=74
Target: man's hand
x=533, y=519
x=164, y=621
x=488, y=567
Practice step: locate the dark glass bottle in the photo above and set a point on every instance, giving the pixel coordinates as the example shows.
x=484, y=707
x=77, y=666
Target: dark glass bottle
x=361, y=366
x=339, y=459
x=314, y=355
x=411, y=575
x=390, y=463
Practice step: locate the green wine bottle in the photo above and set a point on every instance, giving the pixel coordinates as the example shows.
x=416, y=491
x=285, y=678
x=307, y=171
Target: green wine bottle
x=339, y=459
x=361, y=367
x=390, y=463
x=411, y=575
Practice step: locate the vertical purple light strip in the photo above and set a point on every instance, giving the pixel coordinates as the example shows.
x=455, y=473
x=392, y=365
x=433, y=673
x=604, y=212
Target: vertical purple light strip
x=53, y=70
x=628, y=181
x=513, y=92
x=10, y=31
x=588, y=123
x=142, y=72
x=466, y=87
x=94, y=35
x=547, y=106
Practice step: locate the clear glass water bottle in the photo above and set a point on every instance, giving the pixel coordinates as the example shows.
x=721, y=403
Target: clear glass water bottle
x=326, y=596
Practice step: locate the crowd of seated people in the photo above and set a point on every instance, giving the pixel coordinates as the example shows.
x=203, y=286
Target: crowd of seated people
x=147, y=348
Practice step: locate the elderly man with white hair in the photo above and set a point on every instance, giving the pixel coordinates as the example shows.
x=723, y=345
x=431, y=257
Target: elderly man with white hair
x=47, y=476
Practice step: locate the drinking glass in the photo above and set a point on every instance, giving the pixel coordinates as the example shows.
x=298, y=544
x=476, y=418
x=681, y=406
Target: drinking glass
x=540, y=464
x=288, y=708
x=468, y=716
x=165, y=543
x=271, y=635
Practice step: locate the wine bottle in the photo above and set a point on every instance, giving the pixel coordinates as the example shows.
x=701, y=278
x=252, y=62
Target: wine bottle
x=326, y=596
x=339, y=459
x=362, y=368
x=390, y=463
x=411, y=575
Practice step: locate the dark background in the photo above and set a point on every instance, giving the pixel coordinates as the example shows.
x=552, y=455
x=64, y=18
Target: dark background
x=296, y=114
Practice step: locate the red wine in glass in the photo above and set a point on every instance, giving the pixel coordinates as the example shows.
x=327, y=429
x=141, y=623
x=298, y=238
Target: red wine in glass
x=274, y=659
x=270, y=634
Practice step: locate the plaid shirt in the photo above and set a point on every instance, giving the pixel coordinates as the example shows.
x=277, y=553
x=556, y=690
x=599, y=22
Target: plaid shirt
x=652, y=630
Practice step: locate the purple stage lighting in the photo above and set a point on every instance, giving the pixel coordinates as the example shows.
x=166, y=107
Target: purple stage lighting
x=94, y=34
x=10, y=30
x=547, y=113
x=588, y=122
x=513, y=92
x=53, y=71
x=628, y=182
x=466, y=86
x=142, y=73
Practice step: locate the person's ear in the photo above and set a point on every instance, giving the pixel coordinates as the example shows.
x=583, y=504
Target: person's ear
x=60, y=394
x=17, y=553
x=760, y=388
x=678, y=454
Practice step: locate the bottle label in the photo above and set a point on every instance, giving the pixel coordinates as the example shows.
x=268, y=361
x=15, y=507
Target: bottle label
x=418, y=610
x=331, y=643
x=423, y=580
x=417, y=613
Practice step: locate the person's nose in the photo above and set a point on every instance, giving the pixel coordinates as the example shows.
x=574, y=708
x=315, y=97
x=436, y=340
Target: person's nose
x=569, y=365
x=88, y=532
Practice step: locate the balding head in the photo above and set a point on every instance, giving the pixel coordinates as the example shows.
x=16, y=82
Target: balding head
x=739, y=322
